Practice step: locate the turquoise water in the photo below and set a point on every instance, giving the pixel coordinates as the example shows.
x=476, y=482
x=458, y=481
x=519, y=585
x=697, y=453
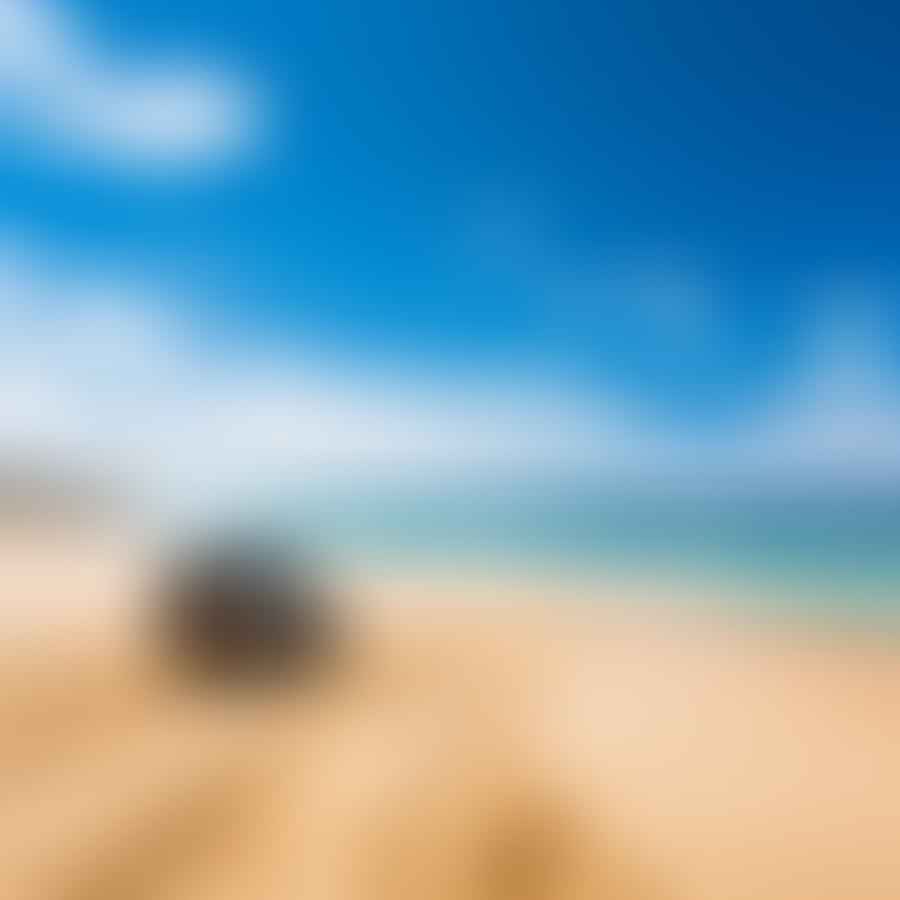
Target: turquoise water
x=833, y=550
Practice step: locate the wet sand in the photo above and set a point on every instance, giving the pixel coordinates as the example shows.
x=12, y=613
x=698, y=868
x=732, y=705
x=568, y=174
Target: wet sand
x=481, y=737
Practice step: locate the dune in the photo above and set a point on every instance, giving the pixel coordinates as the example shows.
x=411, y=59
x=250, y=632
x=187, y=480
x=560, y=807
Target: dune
x=483, y=737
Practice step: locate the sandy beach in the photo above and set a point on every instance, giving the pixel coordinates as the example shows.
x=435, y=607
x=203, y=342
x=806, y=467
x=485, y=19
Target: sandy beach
x=449, y=451
x=482, y=737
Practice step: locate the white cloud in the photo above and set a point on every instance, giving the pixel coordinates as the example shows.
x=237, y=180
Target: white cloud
x=96, y=371
x=837, y=418
x=58, y=83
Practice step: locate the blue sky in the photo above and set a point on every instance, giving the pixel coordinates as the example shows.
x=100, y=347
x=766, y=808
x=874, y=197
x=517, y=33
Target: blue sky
x=652, y=205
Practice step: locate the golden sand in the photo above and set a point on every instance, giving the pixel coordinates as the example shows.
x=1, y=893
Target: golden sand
x=484, y=738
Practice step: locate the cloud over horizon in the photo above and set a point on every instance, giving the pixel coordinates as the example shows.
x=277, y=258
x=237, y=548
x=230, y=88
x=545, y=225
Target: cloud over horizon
x=101, y=371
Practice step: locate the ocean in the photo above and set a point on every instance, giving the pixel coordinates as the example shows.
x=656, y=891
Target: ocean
x=826, y=550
